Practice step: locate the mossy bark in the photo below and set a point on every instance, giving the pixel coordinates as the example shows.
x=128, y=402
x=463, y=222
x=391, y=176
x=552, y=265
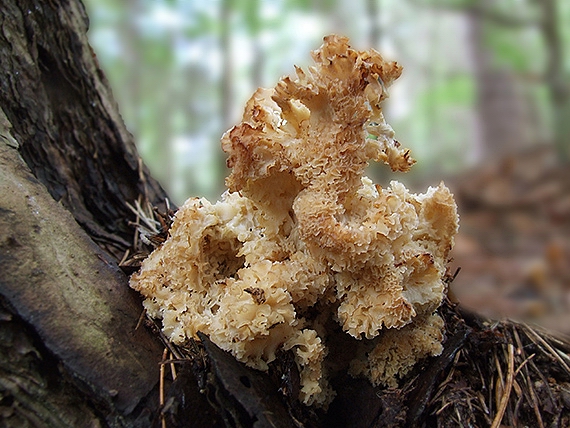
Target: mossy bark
x=74, y=300
x=70, y=354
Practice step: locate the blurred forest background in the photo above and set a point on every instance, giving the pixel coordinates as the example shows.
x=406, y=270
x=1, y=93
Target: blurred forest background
x=484, y=103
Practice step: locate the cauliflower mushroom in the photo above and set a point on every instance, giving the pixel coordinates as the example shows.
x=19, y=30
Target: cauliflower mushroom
x=301, y=227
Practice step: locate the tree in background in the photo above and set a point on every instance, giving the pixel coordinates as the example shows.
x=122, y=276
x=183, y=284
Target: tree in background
x=554, y=15
x=508, y=59
x=203, y=59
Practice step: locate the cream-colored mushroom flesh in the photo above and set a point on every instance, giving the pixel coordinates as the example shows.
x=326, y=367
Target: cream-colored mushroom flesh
x=302, y=237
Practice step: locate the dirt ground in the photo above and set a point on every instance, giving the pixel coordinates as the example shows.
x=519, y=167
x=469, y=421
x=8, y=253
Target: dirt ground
x=513, y=247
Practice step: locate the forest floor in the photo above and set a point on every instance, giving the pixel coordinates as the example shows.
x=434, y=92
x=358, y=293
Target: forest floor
x=513, y=250
x=513, y=247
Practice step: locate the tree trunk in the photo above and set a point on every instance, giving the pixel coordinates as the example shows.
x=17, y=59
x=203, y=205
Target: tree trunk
x=556, y=79
x=226, y=89
x=66, y=122
x=504, y=124
x=374, y=12
x=501, y=108
x=70, y=354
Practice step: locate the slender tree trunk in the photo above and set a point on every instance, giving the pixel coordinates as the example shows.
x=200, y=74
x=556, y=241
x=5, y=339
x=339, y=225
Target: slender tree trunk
x=494, y=133
x=373, y=10
x=556, y=79
x=500, y=106
x=227, y=93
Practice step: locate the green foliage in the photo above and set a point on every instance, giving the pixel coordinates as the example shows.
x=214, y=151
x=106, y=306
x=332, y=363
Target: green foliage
x=455, y=90
x=509, y=52
x=163, y=59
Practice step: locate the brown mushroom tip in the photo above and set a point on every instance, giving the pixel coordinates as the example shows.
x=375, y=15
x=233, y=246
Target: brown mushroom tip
x=302, y=226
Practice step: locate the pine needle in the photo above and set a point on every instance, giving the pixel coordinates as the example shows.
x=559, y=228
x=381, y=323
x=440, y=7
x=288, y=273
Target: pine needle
x=507, y=388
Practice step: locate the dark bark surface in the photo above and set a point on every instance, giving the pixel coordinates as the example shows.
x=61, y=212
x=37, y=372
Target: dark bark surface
x=62, y=113
x=72, y=295
x=70, y=354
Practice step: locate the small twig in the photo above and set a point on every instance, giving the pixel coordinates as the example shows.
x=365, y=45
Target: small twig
x=448, y=379
x=141, y=318
x=142, y=177
x=445, y=406
x=520, y=347
x=173, y=370
x=174, y=350
x=499, y=383
x=529, y=390
x=534, y=399
x=518, y=403
x=563, y=355
x=458, y=417
x=507, y=388
x=125, y=257
x=550, y=348
x=146, y=216
x=171, y=362
x=161, y=388
x=137, y=225
x=527, y=359
x=560, y=340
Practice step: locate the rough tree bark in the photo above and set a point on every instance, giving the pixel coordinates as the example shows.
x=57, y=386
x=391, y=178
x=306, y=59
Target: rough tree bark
x=69, y=351
x=66, y=122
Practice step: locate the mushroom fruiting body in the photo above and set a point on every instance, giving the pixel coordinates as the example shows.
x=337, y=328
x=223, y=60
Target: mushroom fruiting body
x=301, y=228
